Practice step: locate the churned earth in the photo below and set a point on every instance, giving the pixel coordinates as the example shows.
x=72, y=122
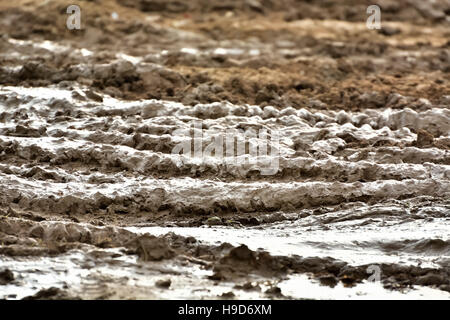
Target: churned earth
x=94, y=203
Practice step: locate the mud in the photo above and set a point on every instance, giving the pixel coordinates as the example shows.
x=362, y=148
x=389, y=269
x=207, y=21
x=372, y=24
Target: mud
x=95, y=205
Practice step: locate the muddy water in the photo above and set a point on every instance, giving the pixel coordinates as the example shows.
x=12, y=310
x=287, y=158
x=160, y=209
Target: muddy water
x=94, y=203
x=89, y=167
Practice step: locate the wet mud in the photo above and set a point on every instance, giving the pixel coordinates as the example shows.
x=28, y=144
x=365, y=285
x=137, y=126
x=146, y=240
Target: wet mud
x=94, y=204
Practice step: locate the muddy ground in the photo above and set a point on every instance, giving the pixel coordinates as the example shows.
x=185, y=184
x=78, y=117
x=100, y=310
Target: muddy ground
x=94, y=205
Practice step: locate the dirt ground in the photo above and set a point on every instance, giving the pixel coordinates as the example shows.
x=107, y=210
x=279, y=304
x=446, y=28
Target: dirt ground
x=94, y=205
